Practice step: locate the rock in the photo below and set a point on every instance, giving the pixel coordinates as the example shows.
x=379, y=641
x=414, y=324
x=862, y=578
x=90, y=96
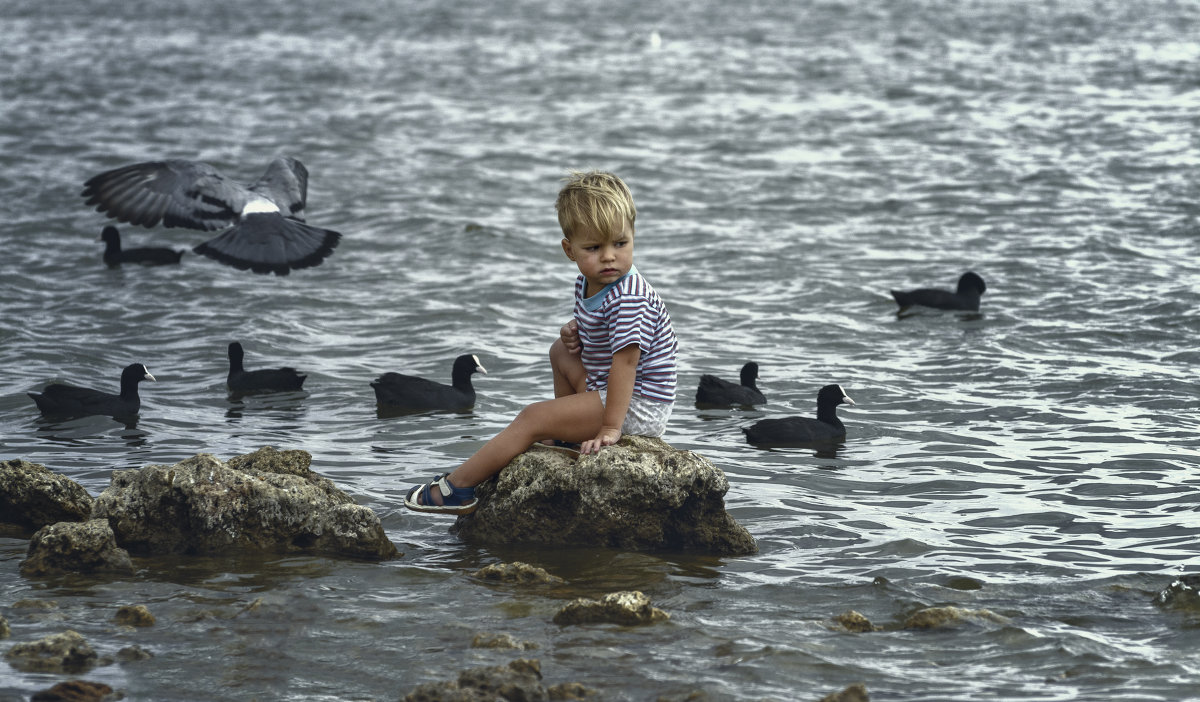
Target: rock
x=626, y=608
x=32, y=496
x=268, y=500
x=1182, y=595
x=62, y=653
x=134, y=615
x=942, y=617
x=77, y=691
x=129, y=654
x=500, y=641
x=519, y=680
x=639, y=494
x=854, y=621
x=570, y=691
x=517, y=572
x=854, y=693
x=5, y=629
x=75, y=547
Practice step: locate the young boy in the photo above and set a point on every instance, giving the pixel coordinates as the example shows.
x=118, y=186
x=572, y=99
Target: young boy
x=614, y=363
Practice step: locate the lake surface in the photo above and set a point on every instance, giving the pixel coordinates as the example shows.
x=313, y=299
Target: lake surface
x=792, y=162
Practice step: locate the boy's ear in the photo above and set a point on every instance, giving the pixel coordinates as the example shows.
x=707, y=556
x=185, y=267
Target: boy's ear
x=566, y=244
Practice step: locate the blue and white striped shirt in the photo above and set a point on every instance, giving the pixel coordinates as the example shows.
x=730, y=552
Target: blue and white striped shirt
x=627, y=312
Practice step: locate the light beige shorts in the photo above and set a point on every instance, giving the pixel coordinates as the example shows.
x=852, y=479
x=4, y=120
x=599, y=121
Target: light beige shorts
x=645, y=417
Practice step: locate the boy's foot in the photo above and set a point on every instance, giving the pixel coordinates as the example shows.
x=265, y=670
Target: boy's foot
x=446, y=500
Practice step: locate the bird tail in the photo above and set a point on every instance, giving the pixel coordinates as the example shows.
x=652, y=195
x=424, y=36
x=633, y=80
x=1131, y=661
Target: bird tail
x=270, y=243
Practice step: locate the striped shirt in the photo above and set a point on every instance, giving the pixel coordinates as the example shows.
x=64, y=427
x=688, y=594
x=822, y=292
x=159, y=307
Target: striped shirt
x=627, y=312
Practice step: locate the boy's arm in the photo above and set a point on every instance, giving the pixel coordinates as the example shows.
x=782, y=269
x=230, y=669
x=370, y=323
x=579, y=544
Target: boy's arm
x=620, y=390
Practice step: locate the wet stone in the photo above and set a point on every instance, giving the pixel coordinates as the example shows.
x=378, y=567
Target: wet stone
x=629, y=608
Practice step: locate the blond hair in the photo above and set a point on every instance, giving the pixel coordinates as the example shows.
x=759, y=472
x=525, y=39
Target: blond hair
x=595, y=201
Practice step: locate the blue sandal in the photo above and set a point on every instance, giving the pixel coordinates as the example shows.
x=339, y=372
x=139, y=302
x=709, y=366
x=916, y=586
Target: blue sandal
x=454, y=500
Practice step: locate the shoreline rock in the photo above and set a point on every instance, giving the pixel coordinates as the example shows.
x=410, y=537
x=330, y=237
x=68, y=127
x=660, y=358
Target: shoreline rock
x=268, y=500
x=32, y=496
x=639, y=494
x=75, y=547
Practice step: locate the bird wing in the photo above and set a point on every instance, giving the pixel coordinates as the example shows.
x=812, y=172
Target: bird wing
x=285, y=183
x=177, y=192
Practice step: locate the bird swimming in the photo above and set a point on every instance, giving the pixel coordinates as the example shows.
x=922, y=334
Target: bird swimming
x=263, y=223
x=114, y=255
x=966, y=297
x=718, y=392
x=799, y=430
x=241, y=380
x=410, y=393
x=57, y=399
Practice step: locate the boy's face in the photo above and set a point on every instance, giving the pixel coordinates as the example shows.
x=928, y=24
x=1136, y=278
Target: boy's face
x=601, y=259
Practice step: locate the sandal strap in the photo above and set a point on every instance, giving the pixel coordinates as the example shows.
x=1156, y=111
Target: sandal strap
x=450, y=495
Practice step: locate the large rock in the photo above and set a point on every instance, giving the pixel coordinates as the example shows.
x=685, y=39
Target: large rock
x=268, y=500
x=32, y=496
x=640, y=494
x=78, y=547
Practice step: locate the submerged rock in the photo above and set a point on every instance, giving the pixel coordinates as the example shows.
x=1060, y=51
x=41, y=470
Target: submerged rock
x=134, y=615
x=1182, y=595
x=77, y=547
x=67, y=652
x=485, y=640
x=33, y=496
x=78, y=691
x=640, y=494
x=517, y=572
x=855, y=621
x=941, y=617
x=268, y=500
x=519, y=680
x=853, y=693
x=625, y=608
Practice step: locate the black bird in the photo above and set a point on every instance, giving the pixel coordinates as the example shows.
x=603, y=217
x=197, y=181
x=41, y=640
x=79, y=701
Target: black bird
x=69, y=401
x=800, y=430
x=263, y=223
x=716, y=392
x=266, y=380
x=966, y=297
x=114, y=255
x=410, y=393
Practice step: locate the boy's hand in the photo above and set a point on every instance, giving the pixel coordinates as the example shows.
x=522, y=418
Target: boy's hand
x=606, y=437
x=570, y=337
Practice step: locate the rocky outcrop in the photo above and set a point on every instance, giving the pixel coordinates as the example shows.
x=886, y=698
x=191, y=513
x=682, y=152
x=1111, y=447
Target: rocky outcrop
x=640, y=494
x=268, y=500
x=625, y=608
x=32, y=496
x=519, y=681
x=67, y=652
x=77, y=547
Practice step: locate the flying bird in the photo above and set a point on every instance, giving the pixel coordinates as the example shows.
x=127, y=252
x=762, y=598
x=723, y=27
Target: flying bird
x=262, y=224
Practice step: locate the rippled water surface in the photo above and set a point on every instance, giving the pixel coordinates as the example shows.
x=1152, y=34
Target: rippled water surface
x=792, y=162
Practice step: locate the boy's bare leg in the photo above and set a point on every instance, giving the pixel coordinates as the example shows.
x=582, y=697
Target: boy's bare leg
x=576, y=417
x=570, y=377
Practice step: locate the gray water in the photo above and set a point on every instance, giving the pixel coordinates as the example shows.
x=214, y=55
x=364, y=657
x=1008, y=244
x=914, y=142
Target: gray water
x=792, y=162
